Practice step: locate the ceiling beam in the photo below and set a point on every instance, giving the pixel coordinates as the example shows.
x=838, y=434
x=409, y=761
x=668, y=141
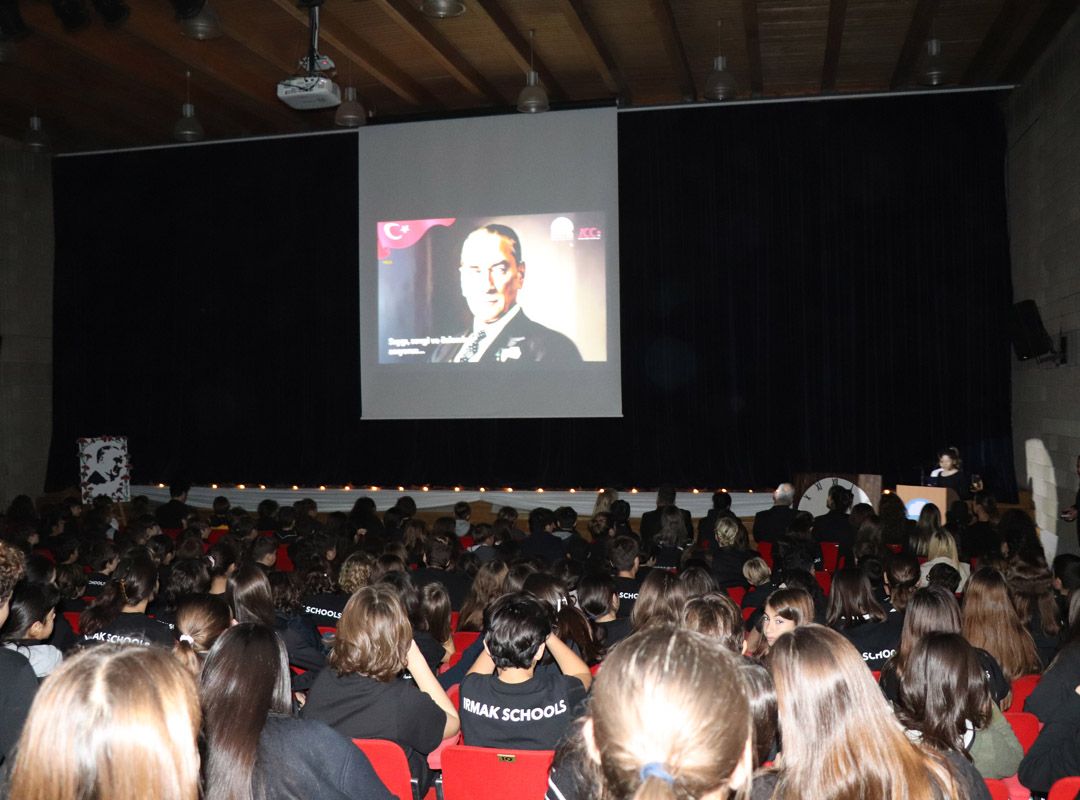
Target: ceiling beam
x=833, y=40
x=413, y=21
x=343, y=39
x=994, y=43
x=914, y=42
x=519, y=47
x=150, y=78
x=1052, y=19
x=669, y=33
x=753, y=46
x=588, y=36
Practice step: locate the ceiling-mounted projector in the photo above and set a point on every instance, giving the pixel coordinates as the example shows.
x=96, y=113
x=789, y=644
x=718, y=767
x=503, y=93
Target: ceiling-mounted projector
x=309, y=91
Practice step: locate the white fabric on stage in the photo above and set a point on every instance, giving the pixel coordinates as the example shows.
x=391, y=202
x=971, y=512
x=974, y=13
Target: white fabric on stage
x=744, y=504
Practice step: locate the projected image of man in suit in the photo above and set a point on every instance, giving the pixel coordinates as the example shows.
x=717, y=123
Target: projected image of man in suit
x=492, y=272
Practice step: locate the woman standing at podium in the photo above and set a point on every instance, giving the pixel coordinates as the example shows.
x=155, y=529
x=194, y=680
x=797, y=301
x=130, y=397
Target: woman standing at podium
x=951, y=475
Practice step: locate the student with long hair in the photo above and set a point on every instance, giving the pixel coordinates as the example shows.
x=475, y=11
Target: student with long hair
x=990, y=622
x=486, y=586
x=731, y=552
x=661, y=689
x=200, y=620
x=30, y=624
x=255, y=748
x=112, y=722
x=660, y=601
x=785, y=610
x=935, y=610
x=118, y=615
x=901, y=579
x=861, y=620
x=599, y=601
x=715, y=615
x=840, y=738
x=302, y=641
x=571, y=625
x=1031, y=588
x=18, y=684
x=361, y=693
x=761, y=693
x=945, y=703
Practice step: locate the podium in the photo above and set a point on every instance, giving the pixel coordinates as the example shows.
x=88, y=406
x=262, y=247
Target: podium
x=915, y=497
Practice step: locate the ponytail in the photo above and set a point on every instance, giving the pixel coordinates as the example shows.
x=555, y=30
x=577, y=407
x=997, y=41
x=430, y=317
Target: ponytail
x=133, y=581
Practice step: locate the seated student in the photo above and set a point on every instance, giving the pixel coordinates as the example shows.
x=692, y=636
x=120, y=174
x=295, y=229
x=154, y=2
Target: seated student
x=118, y=615
x=434, y=650
x=945, y=703
x=18, y=684
x=761, y=692
x=623, y=553
x=362, y=695
x=30, y=623
x=699, y=581
x=715, y=615
x=759, y=576
x=103, y=558
x=599, y=601
x=571, y=625
x=1066, y=569
x=944, y=575
x=668, y=546
x=799, y=539
x=1032, y=591
x=264, y=553
x=71, y=583
x=255, y=747
x=785, y=610
x=486, y=586
x=651, y=729
x=302, y=640
x=504, y=701
x=112, y=721
x=732, y=552
x=660, y=601
x=438, y=556
x=991, y=622
x=189, y=576
x=200, y=620
x=941, y=549
x=901, y=579
x=859, y=618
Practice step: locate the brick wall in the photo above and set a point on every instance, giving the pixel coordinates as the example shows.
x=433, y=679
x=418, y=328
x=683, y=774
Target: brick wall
x=26, y=284
x=1044, y=228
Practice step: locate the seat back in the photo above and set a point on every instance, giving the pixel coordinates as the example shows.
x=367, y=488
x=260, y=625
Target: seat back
x=1022, y=689
x=389, y=762
x=483, y=773
x=765, y=551
x=1064, y=789
x=462, y=641
x=284, y=563
x=1025, y=726
x=73, y=620
x=736, y=593
x=824, y=580
x=830, y=555
x=997, y=789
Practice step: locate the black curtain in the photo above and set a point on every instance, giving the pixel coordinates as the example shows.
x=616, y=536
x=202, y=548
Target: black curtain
x=805, y=286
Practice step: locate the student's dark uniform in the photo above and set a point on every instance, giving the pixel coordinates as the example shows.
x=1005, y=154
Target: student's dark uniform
x=170, y=516
x=771, y=524
x=95, y=584
x=532, y=715
x=999, y=684
x=324, y=609
x=627, y=589
x=132, y=628
x=18, y=685
x=876, y=642
x=358, y=707
x=304, y=646
x=1056, y=752
x=615, y=631
x=456, y=583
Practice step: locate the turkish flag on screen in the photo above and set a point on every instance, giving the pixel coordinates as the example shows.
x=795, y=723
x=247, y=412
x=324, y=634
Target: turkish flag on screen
x=403, y=233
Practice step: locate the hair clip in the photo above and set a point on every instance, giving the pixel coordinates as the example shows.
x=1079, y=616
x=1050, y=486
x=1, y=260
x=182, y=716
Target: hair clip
x=186, y=638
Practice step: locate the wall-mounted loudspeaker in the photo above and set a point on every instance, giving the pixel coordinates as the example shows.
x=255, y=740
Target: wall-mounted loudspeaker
x=1029, y=337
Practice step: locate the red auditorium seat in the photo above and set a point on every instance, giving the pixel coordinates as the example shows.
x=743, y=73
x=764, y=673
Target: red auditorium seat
x=877, y=674
x=830, y=554
x=1065, y=789
x=454, y=693
x=595, y=668
x=998, y=790
x=216, y=533
x=454, y=617
x=284, y=563
x=483, y=773
x=765, y=550
x=73, y=620
x=1025, y=726
x=736, y=593
x=895, y=548
x=326, y=629
x=390, y=764
x=1022, y=689
x=462, y=641
x=172, y=533
x=824, y=580
x=747, y=613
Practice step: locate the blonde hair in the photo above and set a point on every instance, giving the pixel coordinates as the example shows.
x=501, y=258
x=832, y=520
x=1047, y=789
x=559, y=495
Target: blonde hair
x=756, y=571
x=604, y=499
x=728, y=530
x=654, y=713
x=113, y=721
x=355, y=573
x=942, y=545
x=841, y=738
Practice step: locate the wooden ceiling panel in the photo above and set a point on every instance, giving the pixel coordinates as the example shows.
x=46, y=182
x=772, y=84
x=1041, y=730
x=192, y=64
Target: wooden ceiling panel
x=698, y=28
x=793, y=37
x=874, y=32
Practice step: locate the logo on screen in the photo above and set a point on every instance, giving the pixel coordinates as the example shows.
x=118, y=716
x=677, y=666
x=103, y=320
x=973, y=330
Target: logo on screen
x=588, y=234
x=562, y=229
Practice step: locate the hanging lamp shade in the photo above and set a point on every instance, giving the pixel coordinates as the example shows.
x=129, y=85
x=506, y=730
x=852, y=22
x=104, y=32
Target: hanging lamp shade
x=441, y=9
x=203, y=25
x=188, y=128
x=933, y=72
x=36, y=140
x=351, y=113
x=532, y=99
x=720, y=85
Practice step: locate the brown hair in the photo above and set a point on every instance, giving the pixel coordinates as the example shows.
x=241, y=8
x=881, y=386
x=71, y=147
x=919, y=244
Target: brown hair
x=990, y=622
x=841, y=739
x=902, y=576
x=486, y=586
x=756, y=571
x=794, y=604
x=715, y=615
x=112, y=721
x=1031, y=588
x=355, y=573
x=674, y=685
x=660, y=601
x=373, y=635
x=200, y=620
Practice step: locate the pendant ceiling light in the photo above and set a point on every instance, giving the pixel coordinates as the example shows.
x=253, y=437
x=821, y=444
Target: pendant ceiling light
x=36, y=140
x=188, y=128
x=533, y=99
x=933, y=72
x=197, y=19
x=351, y=113
x=720, y=85
x=441, y=9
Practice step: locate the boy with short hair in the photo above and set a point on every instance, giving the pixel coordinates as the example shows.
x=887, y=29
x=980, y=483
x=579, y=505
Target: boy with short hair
x=505, y=701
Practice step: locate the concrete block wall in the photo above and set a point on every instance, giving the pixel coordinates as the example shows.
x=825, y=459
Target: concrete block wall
x=1044, y=229
x=26, y=297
